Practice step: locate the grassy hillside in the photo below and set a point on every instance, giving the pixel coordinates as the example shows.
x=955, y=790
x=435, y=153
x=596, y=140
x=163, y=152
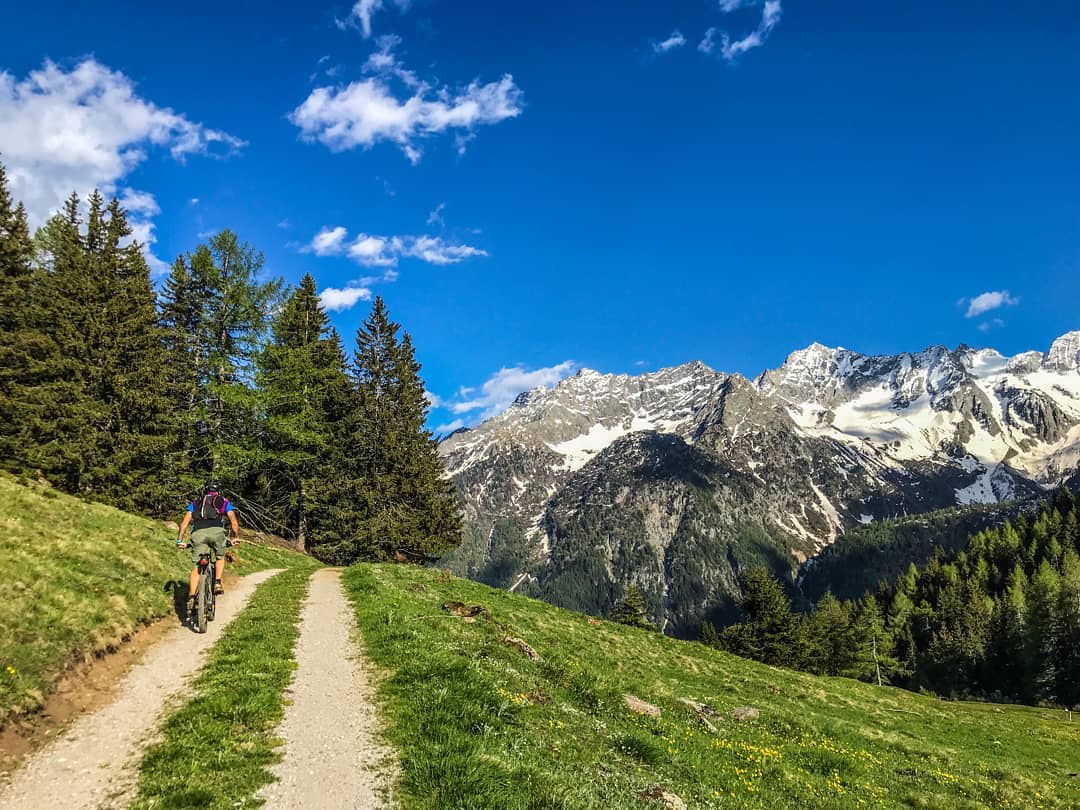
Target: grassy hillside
x=76, y=577
x=481, y=725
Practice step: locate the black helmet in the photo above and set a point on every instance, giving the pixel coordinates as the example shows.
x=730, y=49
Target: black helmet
x=213, y=485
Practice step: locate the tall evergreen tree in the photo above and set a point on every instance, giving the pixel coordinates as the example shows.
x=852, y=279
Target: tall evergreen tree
x=404, y=505
x=300, y=368
x=630, y=610
x=1067, y=633
x=769, y=632
x=826, y=635
x=216, y=313
x=21, y=341
x=1042, y=601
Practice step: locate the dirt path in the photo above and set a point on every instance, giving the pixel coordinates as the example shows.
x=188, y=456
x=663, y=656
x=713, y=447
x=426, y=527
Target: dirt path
x=333, y=756
x=92, y=764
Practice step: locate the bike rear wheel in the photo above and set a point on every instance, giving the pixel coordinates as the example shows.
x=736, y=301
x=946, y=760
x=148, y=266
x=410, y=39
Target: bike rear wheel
x=201, y=606
x=211, y=603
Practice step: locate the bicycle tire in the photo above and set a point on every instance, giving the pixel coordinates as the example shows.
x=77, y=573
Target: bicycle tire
x=200, y=604
x=211, y=608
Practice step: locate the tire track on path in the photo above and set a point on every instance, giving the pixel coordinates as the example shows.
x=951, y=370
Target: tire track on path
x=93, y=764
x=334, y=756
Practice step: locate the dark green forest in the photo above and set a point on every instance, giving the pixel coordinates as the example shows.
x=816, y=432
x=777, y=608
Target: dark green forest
x=998, y=619
x=882, y=550
x=119, y=392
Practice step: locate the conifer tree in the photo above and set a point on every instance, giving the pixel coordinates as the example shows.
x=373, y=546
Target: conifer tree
x=299, y=368
x=826, y=634
x=1067, y=633
x=404, y=506
x=708, y=635
x=769, y=633
x=1006, y=658
x=22, y=344
x=630, y=610
x=1042, y=601
x=216, y=313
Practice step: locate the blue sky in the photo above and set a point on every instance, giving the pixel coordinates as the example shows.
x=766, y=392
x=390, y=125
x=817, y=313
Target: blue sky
x=535, y=188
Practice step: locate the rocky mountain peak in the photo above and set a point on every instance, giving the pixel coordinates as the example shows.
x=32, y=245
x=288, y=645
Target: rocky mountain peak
x=1064, y=354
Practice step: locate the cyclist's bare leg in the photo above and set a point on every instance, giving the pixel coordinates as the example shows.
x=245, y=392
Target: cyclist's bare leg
x=219, y=568
x=193, y=582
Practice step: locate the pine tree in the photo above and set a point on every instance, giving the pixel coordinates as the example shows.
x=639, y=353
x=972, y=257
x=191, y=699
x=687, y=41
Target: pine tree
x=22, y=344
x=630, y=610
x=236, y=317
x=216, y=313
x=708, y=635
x=1067, y=633
x=405, y=508
x=64, y=441
x=769, y=633
x=826, y=635
x=1007, y=672
x=298, y=369
x=1042, y=601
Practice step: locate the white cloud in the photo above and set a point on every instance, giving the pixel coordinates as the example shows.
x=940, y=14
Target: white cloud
x=435, y=250
x=708, y=42
x=337, y=300
x=86, y=128
x=988, y=301
x=385, y=251
x=367, y=112
x=284, y=224
x=449, y=427
x=194, y=200
x=993, y=323
x=503, y=387
x=676, y=40
x=732, y=49
x=436, y=217
x=384, y=62
x=364, y=10
x=327, y=242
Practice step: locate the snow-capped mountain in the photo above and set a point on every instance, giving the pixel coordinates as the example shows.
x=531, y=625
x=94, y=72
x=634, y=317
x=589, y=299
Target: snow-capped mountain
x=604, y=480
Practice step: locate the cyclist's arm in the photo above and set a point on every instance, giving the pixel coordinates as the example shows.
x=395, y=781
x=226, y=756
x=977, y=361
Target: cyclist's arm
x=235, y=525
x=183, y=527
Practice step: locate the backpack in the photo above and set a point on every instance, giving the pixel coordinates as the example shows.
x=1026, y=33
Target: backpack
x=209, y=510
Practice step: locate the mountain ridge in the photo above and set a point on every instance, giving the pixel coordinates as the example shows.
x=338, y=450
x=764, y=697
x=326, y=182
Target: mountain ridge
x=830, y=439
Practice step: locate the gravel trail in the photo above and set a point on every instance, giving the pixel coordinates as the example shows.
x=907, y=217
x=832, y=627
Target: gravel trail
x=93, y=764
x=333, y=757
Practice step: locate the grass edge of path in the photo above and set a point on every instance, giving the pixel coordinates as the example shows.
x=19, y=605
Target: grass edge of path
x=215, y=748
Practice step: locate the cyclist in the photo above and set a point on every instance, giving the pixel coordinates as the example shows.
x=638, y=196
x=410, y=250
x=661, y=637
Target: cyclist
x=206, y=515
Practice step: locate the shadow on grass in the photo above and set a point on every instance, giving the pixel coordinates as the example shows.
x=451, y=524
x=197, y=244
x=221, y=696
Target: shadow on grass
x=179, y=593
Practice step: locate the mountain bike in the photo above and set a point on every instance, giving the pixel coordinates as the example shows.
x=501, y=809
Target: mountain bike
x=205, y=599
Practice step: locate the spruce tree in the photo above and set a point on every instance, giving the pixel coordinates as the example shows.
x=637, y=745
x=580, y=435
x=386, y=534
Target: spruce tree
x=1067, y=633
x=22, y=344
x=769, y=633
x=405, y=506
x=299, y=367
x=1042, y=601
x=216, y=313
x=826, y=637
x=708, y=635
x=630, y=610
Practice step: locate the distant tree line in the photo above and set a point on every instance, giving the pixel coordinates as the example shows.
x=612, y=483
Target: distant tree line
x=118, y=393
x=999, y=619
